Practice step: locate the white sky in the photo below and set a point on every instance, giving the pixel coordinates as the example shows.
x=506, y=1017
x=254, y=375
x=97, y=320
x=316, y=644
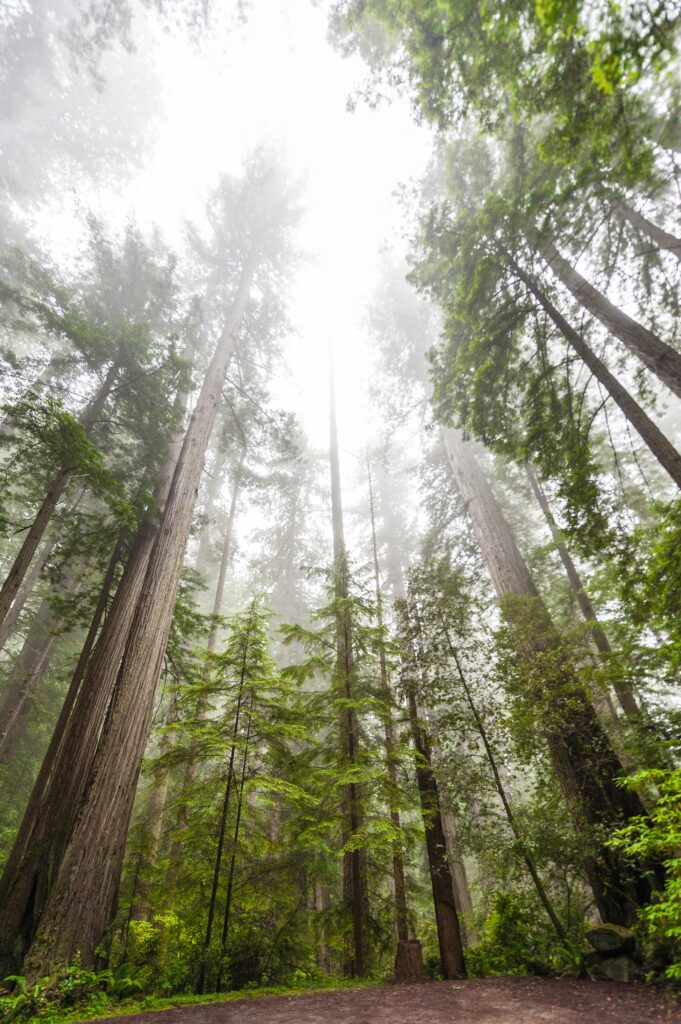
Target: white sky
x=277, y=77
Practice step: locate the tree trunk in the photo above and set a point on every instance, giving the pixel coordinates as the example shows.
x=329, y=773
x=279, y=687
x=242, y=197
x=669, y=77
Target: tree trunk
x=223, y=825
x=401, y=912
x=191, y=771
x=57, y=793
x=457, y=869
x=623, y=690
x=83, y=899
x=23, y=887
x=235, y=840
x=31, y=664
x=354, y=877
x=446, y=917
x=25, y=676
x=585, y=764
x=225, y=558
x=322, y=903
x=499, y=786
x=660, y=358
x=27, y=550
x=212, y=491
x=663, y=239
x=25, y=591
x=663, y=450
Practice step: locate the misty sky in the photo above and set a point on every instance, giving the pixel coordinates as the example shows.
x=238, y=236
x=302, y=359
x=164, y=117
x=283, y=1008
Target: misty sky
x=276, y=77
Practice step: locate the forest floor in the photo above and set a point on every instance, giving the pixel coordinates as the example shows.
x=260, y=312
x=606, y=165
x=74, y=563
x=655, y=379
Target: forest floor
x=478, y=1001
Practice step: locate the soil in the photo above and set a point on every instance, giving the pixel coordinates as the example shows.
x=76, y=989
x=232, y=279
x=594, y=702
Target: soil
x=478, y=1001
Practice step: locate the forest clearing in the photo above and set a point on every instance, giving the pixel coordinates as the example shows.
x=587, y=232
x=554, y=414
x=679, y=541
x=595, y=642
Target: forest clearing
x=340, y=525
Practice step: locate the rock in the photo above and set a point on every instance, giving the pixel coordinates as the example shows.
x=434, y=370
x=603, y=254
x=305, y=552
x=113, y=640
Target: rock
x=409, y=961
x=611, y=939
x=615, y=968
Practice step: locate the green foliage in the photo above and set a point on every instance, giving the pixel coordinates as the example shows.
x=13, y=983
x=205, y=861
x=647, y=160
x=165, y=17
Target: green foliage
x=511, y=942
x=25, y=1002
x=55, y=997
x=160, y=953
x=658, y=838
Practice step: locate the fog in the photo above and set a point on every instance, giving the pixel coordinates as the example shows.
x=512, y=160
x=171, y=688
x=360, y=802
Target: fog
x=340, y=454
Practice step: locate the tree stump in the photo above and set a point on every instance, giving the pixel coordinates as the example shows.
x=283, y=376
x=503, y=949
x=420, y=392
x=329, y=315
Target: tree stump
x=409, y=961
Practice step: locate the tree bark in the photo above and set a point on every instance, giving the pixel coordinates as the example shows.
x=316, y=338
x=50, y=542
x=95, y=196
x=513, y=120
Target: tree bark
x=31, y=664
x=663, y=239
x=622, y=687
x=401, y=912
x=446, y=916
x=663, y=450
x=23, y=887
x=457, y=869
x=354, y=877
x=223, y=827
x=235, y=840
x=28, y=549
x=83, y=899
x=24, y=592
x=585, y=764
x=225, y=557
x=212, y=492
x=657, y=355
x=25, y=676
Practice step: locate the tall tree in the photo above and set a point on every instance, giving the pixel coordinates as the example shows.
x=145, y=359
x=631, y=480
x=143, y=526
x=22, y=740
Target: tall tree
x=84, y=895
x=584, y=761
x=354, y=877
x=401, y=915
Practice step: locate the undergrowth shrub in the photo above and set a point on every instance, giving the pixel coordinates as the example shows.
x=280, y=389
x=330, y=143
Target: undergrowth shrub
x=510, y=944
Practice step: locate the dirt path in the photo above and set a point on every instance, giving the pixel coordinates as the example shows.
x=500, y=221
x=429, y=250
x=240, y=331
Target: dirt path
x=480, y=1001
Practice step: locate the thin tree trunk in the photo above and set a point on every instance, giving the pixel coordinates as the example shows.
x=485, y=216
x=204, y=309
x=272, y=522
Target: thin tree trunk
x=223, y=826
x=212, y=491
x=401, y=912
x=442, y=884
x=457, y=869
x=657, y=355
x=31, y=664
x=191, y=771
x=83, y=899
x=26, y=675
x=663, y=239
x=496, y=775
x=622, y=687
x=25, y=591
x=28, y=549
x=235, y=840
x=585, y=764
x=354, y=879
x=225, y=558
x=322, y=903
x=663, y=450
x=446, y=917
